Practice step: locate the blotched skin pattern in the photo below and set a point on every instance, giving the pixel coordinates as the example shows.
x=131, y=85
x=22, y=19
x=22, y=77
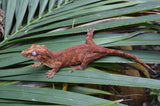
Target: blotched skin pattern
x=78, y=56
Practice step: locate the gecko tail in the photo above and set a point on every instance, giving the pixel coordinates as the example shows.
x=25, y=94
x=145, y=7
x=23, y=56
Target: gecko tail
x=129, y=56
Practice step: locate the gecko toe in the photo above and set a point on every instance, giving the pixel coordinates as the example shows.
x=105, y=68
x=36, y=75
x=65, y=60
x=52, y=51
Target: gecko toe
x=50, y=74
x=71, y=71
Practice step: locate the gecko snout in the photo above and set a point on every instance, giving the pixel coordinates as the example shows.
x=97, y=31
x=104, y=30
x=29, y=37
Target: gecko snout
x=23, y=53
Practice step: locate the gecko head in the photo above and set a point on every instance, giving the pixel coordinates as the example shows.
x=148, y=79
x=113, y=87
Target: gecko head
x=36, y=52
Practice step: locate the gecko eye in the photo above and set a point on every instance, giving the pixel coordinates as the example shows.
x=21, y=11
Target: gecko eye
x=34, y=53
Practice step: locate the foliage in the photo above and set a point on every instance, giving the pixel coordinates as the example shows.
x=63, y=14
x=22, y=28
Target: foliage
x=60, y=24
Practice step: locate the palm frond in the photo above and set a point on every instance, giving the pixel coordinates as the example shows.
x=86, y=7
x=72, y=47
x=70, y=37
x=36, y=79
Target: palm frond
x=60, y=24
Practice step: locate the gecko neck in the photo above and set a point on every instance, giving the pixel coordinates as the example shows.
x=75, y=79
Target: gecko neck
x=50, y=54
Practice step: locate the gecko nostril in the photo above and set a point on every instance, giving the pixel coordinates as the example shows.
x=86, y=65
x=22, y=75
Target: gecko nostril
x=23, y=53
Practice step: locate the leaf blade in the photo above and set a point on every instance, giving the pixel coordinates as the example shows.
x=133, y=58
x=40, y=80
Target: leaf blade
x=43, y=4
x=11, y=5
x=32, y=9
x=89, y=77
x=47, y=95
x=21, y=12
x=51, y=5
x=99, y=26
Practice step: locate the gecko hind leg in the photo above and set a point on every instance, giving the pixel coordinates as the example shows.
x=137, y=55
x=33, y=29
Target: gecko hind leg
x=74, y=68
x=90, y=36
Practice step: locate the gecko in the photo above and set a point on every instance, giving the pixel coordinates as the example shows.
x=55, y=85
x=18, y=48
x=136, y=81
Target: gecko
x=77, y=57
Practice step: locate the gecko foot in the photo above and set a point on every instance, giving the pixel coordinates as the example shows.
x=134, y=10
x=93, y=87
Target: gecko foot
x=90, y=30
x=50, y=74
x=72, y=69
x=79, y=67
x=33, y=65
x=36, y=64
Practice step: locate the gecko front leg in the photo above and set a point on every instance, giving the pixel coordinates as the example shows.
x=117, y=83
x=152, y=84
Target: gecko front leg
x=36, y=64
x=54, y=70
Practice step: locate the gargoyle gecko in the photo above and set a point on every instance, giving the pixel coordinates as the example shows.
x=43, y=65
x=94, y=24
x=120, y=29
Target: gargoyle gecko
x=79, y=55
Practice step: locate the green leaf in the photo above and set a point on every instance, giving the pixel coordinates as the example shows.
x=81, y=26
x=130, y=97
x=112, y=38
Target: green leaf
x=84, y=11
x=20, y=71
x=11, y=5
x=143, y=39
x=8, y=82
x=145, y=56
x=100, y=26
x=6, y=102
x=104, y=39
x=32, y=9
x=4, y=5
x=85, y=90
x=79, y=12
x=21, y=12
x=43, y=4
x=112, y=103
x=72, y=40
x=45, y=95
x=66, y=1
x=59, y=45
x=63, y=27
x=112, y=40
x=51, y=5
x=86, y=77
x=75, y=4
x=101, y=15
x=11, y=59
x=59, y=3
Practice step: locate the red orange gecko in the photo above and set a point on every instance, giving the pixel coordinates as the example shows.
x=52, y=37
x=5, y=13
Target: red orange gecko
x=79, y=55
